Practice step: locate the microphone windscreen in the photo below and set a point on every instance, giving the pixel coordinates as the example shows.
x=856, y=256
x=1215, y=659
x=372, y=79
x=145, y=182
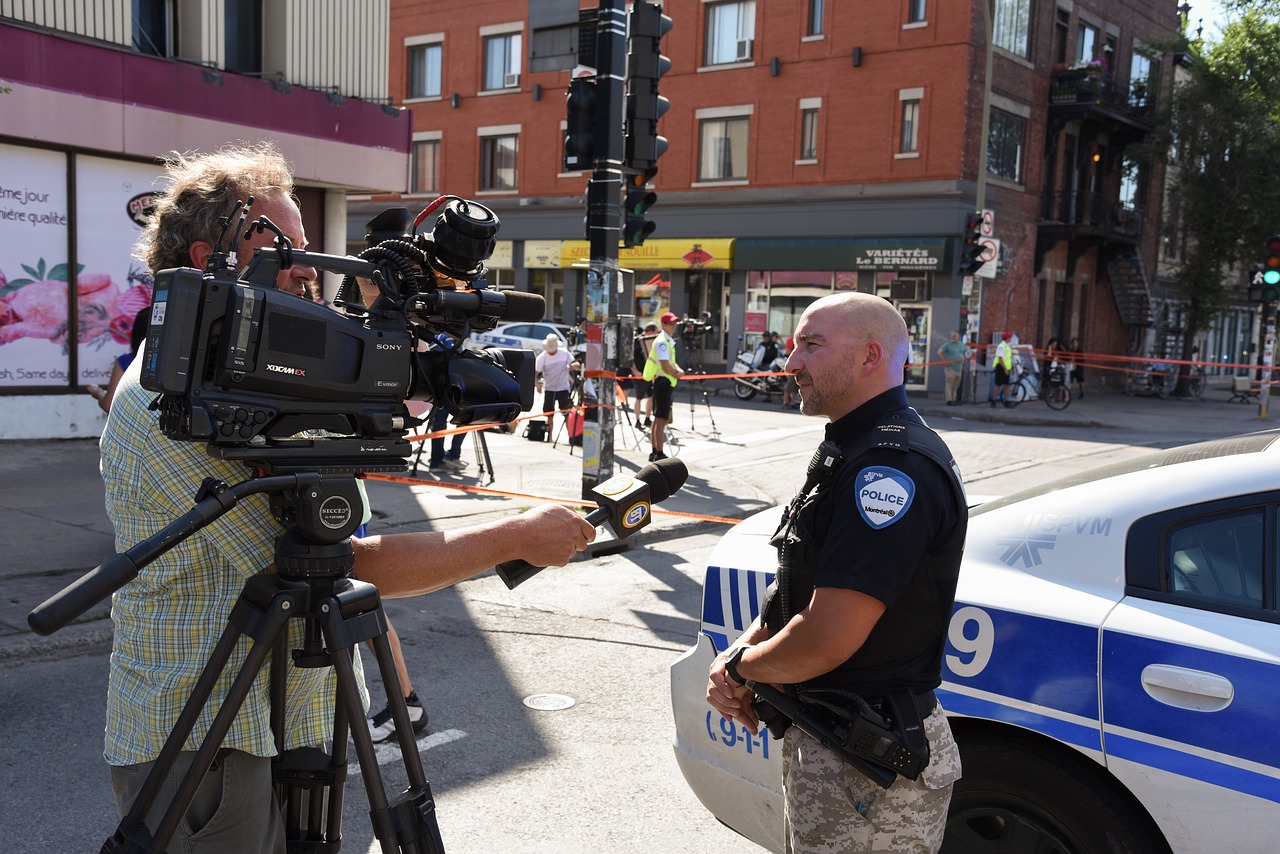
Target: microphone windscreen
x=664, y=477
x=523, y=307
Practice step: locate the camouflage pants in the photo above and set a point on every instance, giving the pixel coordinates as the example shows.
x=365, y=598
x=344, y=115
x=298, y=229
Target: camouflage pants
x=830, y=807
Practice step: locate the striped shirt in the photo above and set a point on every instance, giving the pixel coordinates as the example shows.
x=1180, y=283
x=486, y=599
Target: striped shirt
x=169, y=618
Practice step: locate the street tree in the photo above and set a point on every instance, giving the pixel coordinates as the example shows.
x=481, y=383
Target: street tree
x=1219, y=133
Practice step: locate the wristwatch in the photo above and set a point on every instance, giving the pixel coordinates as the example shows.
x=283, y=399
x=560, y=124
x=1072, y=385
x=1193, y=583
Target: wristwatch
x=731, y=666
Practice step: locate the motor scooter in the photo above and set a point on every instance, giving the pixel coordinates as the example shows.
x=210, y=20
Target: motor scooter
x=747, y=387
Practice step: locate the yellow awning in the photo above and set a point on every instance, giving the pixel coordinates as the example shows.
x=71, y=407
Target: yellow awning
x=659, y=254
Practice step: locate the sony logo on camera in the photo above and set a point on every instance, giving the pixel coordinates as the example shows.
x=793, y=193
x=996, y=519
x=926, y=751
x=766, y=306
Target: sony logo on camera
x=390, y=346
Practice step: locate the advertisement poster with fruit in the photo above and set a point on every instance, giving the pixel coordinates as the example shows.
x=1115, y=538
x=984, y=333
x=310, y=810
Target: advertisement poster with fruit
x=113, y=200
x=33, y=267
x=37, y=332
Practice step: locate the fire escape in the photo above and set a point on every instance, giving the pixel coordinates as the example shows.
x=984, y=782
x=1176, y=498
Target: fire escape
x=1082, y=203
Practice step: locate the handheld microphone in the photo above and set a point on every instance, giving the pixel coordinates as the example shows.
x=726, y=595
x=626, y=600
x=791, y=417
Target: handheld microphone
x=624, y=503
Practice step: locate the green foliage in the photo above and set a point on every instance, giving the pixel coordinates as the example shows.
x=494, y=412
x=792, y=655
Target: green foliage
x=1220, y=133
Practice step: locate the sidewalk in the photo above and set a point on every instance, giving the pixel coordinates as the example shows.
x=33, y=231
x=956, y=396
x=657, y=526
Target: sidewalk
x=55, y=528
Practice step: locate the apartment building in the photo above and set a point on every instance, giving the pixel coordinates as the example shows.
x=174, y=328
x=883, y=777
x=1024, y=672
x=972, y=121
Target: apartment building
x=93, y=91
x=818, y=146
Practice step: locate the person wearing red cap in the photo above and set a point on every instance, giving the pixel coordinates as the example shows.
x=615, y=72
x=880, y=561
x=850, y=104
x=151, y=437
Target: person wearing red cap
x=1004, y=367
x=662, y=371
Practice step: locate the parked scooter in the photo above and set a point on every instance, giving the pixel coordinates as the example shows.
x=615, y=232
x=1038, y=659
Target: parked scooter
x=746, y=387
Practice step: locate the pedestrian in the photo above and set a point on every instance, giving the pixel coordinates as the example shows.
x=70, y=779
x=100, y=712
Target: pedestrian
x=790, y=391
x=953, y=353
x=869, y=555
x=551, y=377
x=137, y=337
x=443, y=459
x=1053, y=356
x=1077, y=367
x=643, y=391
x=1003, y=368
x=663, y=372
x=168, y=619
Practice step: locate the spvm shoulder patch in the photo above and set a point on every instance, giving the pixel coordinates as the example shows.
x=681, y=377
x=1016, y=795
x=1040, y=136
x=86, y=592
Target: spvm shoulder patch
x=884, y=495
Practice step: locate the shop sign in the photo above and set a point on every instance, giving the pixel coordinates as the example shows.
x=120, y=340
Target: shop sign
x=890, y=254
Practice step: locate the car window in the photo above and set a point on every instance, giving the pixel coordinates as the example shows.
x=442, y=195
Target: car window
x=520, y=330
x=1218, y=560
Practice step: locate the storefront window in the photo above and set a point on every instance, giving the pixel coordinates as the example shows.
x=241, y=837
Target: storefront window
x=549, y=284
x=706, y=291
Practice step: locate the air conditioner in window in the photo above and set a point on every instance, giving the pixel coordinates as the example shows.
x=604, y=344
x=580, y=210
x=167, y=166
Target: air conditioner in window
x=510, y=81
x=744, y=49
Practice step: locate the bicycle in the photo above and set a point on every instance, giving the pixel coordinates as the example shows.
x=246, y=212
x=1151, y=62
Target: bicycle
x=1196, y=383
x=1019, y=388
x=1057, y=394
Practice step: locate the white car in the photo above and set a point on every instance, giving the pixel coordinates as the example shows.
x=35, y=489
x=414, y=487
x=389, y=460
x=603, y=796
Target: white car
x=1111, y=673
x=523, y=336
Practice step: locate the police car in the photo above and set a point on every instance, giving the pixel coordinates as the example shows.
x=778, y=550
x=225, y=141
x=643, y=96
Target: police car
x=523, y=336
x=1111, y=672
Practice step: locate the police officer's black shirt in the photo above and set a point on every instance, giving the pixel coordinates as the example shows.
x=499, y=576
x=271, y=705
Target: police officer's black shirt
x=891, y=526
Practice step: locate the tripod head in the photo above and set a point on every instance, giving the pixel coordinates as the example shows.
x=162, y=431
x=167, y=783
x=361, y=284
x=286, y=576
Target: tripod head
x=320, y=509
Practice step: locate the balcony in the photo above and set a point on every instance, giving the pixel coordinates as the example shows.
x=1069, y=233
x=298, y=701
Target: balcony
x=1083, y=213
x=1090, y=92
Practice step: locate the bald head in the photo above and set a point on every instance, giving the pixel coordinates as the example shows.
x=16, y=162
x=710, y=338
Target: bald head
x=850, y=347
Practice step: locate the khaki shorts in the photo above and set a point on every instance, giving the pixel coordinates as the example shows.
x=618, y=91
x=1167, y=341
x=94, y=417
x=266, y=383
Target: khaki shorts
x=832, y=807
x=234, y=811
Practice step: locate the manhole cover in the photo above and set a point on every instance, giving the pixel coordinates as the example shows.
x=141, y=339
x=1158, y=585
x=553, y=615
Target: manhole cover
x=548, y=702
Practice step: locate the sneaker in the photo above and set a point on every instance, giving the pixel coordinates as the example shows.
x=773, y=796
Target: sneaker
x=454, y=465
x=657, y=455
x=383, y=728
x=639, y=424
x=648, y=422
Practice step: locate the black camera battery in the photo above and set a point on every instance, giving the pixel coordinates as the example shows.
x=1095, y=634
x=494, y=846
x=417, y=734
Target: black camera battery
x=173, y=333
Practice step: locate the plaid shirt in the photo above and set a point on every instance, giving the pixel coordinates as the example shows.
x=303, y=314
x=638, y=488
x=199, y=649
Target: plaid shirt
x=169, y=618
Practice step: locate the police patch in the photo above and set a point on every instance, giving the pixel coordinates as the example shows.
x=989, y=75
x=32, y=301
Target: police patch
x=884, y=494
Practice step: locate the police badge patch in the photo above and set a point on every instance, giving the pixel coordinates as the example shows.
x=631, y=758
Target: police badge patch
x=884, y=494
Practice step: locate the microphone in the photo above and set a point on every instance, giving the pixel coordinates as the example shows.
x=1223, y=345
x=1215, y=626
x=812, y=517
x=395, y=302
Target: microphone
x=624, y=503
x=825, y=459
x=512, y=306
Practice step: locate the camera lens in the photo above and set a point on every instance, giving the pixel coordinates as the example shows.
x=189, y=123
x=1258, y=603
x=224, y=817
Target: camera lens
x=465, y=234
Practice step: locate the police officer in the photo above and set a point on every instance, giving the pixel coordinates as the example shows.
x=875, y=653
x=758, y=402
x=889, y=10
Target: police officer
x=869, y=555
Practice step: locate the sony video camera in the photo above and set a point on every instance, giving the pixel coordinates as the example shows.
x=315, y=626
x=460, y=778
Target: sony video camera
x=263, y=375
x=690, y=330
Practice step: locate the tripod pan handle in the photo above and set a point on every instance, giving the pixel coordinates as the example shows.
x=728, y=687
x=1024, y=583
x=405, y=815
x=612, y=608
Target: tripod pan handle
x=82, y=594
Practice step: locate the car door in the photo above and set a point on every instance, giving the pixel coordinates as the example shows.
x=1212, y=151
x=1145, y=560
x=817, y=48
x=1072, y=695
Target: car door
x=1190, y=674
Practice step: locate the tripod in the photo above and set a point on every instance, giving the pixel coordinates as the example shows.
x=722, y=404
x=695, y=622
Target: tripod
x=690, y=344
x=313, y=583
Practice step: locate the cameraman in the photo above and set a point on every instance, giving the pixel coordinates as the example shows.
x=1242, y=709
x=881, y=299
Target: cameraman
x=168, y=619
x=661, y=370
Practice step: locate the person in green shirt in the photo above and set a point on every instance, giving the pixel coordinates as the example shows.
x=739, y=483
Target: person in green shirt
x=954, y=353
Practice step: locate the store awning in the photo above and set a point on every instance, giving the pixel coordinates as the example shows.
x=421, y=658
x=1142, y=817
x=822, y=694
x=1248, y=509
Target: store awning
x=922, y=254
x=661, y=254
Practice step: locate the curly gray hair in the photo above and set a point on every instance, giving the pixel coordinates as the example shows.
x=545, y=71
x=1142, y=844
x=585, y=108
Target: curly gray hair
x=204, y=187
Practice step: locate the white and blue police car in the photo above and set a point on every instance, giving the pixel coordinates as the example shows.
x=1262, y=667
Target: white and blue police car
x=1111, y=672
x=522, y=336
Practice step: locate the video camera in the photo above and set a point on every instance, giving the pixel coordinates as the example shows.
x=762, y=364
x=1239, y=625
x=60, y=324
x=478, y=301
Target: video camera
x=690, y=329
x=264, y=375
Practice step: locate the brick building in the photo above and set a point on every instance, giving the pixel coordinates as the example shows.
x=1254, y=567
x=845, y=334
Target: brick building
x=818, y=146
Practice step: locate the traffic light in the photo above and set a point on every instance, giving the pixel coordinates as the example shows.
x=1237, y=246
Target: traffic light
x=579, y=138
x=971, y=245
x=635, y=227
x=1271, y=262
x=645, y=65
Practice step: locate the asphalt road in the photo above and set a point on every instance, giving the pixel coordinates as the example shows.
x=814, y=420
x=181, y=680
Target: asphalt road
x=598, y=775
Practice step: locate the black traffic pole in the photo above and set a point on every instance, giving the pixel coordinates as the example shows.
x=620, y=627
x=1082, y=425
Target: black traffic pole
x=604, y=229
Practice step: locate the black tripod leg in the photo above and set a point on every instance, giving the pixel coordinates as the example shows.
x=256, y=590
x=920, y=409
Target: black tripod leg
x=408, y=822
x=264, y=626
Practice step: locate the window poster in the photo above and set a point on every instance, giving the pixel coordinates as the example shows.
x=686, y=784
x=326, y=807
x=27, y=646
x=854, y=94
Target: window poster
x=113, y=200
x=34, y=344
